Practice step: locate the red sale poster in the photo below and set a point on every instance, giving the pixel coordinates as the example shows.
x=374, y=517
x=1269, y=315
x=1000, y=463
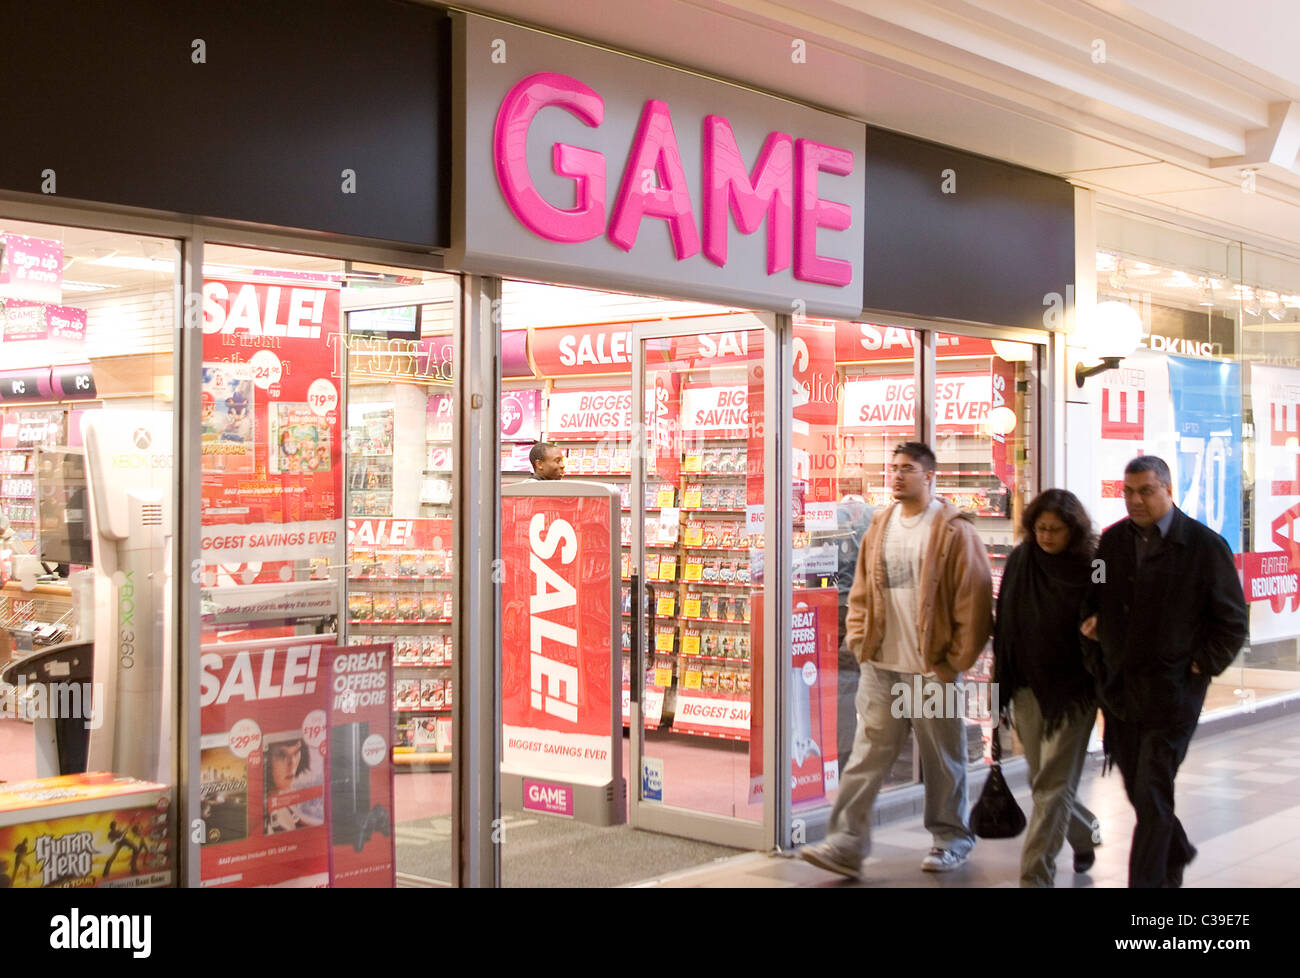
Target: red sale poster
x=556, y=622
x=360, y=797
x=262, y=768
x=272, y=449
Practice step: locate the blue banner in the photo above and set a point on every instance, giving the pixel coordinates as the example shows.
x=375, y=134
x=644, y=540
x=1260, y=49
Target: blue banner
x=1206, y=396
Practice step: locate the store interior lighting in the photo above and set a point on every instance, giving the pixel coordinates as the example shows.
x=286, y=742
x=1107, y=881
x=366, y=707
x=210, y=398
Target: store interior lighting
x=1251, y=303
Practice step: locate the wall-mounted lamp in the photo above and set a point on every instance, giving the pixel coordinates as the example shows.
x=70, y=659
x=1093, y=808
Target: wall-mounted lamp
x=1114, y=331
x=1013, y=352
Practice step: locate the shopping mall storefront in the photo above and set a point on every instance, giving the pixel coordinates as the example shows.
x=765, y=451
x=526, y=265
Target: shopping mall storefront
x=264, y=465
x=1212, y=389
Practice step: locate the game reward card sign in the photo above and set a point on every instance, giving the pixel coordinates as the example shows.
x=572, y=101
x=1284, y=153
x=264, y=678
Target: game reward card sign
x=559, y=648
x=272, y=450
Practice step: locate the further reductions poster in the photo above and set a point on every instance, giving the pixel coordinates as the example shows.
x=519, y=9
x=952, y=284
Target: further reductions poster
x=262, y=767
x=272, y=450
x=1271, y=577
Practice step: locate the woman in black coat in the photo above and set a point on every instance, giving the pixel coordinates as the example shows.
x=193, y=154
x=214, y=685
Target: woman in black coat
x=1038, y=666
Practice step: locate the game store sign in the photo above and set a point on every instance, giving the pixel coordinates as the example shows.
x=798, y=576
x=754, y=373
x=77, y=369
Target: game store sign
x=594, y=168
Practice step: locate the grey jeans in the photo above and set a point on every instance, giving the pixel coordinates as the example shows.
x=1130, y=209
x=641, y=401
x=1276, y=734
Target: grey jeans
x=1055, y=764
x=876, y=745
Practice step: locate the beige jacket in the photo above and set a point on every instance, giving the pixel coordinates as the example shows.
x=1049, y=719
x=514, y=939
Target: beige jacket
x=956, y=592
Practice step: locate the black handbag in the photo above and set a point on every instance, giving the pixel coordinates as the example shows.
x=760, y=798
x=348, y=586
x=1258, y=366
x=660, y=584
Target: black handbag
x=997, y=815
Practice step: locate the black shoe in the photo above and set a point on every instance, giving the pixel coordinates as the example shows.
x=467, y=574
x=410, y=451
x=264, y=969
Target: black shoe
x=1174, y=879
x=1083, y=860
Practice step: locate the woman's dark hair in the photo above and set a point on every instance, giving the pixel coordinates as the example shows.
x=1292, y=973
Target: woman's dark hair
x=1067, y=508
x=304, y=760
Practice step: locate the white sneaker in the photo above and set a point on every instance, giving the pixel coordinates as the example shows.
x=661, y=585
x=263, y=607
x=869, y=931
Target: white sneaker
x=824, y=856
x=942, y=860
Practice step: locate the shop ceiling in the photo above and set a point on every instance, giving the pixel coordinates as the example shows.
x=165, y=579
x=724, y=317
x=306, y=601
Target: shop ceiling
x=1162, y=104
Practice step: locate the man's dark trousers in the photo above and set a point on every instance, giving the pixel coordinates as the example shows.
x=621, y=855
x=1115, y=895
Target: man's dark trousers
x=1148, y=759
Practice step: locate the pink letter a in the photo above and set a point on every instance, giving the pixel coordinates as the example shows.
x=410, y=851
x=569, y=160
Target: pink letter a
x=654, y=152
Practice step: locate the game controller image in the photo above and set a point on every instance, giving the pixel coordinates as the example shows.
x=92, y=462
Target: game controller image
x=377, y=821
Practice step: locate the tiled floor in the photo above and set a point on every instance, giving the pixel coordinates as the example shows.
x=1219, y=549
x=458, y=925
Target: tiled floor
x=1238, y=795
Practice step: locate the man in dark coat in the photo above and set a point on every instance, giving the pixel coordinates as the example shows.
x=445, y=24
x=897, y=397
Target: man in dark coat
x=1167, y=608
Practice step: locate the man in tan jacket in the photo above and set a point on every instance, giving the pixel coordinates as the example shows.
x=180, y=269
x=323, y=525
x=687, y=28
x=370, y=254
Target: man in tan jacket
x=921, y=606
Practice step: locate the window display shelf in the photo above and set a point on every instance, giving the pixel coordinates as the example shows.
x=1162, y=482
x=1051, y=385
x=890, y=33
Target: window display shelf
x=399, y=621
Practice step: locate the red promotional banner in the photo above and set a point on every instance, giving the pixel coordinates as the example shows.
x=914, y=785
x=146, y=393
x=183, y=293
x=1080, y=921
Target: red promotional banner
x=816, y=393
x=360, y=799
x=716, y=412
x=813, y=685
x=662, y=421
x=1002, y=376
x=556, y=623
x=586, y=415
x=262, y=767
x=566, y=351
x=862, y=342
x=430, y=536
x=272, y=446
x=696, y=351
x=1272, y=577
x=888, y=404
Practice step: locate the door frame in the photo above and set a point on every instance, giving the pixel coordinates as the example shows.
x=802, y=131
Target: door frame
x=655, y=816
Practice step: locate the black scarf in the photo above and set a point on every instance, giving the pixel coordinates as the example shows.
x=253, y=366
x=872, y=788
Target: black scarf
x=1036, y=640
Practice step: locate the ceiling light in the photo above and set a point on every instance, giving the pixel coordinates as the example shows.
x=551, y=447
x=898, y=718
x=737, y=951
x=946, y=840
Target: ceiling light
x=136, y=263
x=69, y=286
x=1251, y=302
x=1118, y=278
x=1207, y=293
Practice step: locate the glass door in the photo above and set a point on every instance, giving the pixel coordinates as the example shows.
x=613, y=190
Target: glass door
x=698, y=495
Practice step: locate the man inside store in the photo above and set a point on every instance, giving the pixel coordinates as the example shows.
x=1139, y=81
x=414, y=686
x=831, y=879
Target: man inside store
x=547, y=461
x=1165, y=614
x=921, y=605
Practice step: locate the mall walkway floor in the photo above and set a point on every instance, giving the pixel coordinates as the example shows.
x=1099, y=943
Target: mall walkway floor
x=1238, y=795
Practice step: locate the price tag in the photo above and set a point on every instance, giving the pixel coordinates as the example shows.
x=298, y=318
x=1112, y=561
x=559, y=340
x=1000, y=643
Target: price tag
x=668, y=569
x=691, y=643
x=663, y=677
x=322, y=397
x=664, y=640
x=691, y=609
x=666, y=605
x=692, y=679
x=693, y=497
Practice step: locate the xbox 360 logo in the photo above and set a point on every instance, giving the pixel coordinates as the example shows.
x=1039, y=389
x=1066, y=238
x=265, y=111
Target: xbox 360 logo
x=142, y=438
